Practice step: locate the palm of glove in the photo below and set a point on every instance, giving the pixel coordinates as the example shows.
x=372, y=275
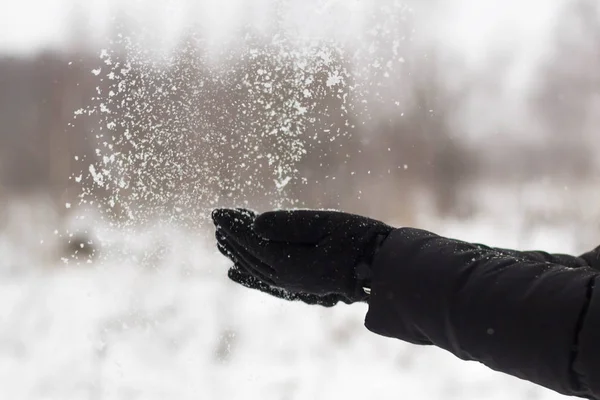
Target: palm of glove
x=314, y=256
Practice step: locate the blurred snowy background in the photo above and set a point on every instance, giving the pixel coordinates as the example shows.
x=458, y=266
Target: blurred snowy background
x=124, y=122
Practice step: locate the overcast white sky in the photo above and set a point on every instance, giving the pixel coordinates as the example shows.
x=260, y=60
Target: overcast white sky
x=476, y=30
x=473, y=27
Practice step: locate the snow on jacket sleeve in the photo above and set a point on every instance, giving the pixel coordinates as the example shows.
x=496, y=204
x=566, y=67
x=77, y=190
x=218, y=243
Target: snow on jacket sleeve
x=590, y=259
x=527, y=317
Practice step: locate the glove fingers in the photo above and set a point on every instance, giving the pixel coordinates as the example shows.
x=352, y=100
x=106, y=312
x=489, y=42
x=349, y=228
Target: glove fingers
x=329, y=300
x=244, y=278
x=311, y=299
x=219, y=213
x=244, y=265
x=239, y=261
x=237, y=224
x=237, y=227
x=296, y=226
x=233, y=220
x=251, y=264
x=241, y=277
x=226, y=252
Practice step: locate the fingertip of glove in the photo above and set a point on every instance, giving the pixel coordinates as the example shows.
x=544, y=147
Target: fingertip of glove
x=218, y=214
x=235, y=274
x=238, y=275
x=228, y=216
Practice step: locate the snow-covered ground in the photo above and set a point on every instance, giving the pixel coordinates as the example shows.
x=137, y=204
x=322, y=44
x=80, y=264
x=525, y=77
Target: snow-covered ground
x=157, y=318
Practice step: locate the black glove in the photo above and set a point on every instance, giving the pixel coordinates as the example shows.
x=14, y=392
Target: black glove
x=239, y=274
x=321, y=253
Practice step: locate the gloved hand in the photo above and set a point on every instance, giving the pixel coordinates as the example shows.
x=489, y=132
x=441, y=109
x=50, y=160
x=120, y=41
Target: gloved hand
x=304, y=252
x=239, y=273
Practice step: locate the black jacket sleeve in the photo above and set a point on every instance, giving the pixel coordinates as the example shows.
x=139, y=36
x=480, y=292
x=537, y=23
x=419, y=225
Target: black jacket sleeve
x=526, y=316
x=590, y=259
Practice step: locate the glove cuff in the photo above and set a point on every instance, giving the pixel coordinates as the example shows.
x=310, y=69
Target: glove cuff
x=363, y=271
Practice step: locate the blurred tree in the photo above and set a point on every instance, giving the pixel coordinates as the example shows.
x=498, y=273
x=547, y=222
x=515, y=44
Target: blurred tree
x=568, y=89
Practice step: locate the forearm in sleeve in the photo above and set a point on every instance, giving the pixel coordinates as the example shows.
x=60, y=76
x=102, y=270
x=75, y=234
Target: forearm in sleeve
x=535, y=320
